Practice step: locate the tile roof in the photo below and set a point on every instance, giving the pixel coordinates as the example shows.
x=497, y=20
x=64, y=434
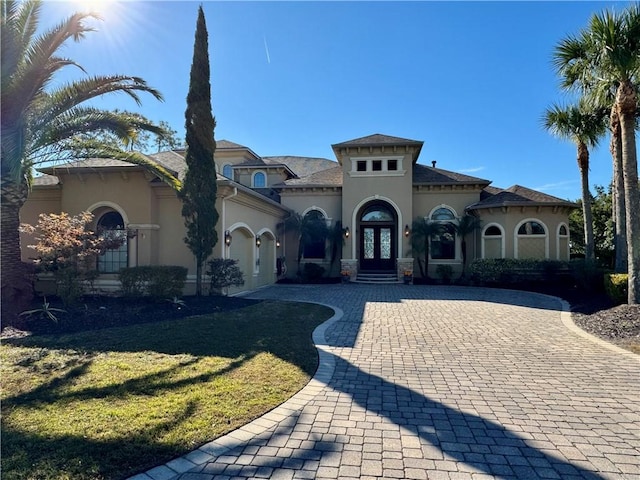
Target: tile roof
x=331, y=177
x=517, y=195
x=430, y=175
x=301, y=166
x=377, y=139
x=226, y=144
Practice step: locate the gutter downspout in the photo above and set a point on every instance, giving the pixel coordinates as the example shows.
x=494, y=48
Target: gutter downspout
x=225, y=249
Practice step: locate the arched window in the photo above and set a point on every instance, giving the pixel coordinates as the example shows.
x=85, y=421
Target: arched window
x=493, y=242
x=111, y=261
x=259, y=180
x=563, y=242
x=531, y=240
x=377, y=213
x=227, y=171
x=443, y=240
x=314, y=228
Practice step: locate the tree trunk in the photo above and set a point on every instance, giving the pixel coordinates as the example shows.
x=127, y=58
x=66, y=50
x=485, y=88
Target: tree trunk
x=198, y=277
x=618, y=197
x=583, y=164
x=17, y=290
x=626, y=101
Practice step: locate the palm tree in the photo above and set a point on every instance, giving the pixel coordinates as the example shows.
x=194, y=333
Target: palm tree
x=42, y=123
x=421, y=232
x=467, y=224
x=606, y=54
x=584, y=127
x=308, y=229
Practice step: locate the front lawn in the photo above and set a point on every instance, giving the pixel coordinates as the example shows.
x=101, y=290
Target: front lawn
x=109, y=403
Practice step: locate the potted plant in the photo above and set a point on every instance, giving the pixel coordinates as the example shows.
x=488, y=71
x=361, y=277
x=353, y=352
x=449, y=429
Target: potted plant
x=346, y=276
x=408, y=277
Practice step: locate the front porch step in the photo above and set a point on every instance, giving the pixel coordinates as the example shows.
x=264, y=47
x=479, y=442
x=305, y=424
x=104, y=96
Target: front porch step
x=377, y=278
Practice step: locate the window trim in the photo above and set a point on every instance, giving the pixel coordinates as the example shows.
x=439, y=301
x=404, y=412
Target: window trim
x=503, y=235
x=559, y=236
x=384, y=171
x=517, y=236
x=253, y=179
x=124, y=248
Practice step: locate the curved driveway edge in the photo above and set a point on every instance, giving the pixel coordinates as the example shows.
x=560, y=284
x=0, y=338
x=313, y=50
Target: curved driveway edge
x=441, y=383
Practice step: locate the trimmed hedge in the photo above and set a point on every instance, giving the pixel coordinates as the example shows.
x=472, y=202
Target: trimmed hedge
x=617, y=287
x=508, y=271
x=157, y=281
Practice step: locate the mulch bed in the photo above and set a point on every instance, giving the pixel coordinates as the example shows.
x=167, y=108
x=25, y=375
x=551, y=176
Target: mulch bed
x=94, y=313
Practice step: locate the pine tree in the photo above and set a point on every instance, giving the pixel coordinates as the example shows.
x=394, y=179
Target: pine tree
x=198, y=193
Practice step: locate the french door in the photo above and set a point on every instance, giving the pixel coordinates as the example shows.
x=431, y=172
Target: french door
x=377, y=247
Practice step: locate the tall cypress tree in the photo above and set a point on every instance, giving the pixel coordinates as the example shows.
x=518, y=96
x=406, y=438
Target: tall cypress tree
x=198, y=193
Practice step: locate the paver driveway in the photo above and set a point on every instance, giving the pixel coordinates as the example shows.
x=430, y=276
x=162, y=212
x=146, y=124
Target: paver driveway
x=441, y=383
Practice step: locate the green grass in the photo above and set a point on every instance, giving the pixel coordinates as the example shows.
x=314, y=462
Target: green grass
x=110, y=403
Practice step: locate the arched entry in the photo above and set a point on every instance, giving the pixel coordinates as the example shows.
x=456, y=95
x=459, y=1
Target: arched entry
x=378, y=226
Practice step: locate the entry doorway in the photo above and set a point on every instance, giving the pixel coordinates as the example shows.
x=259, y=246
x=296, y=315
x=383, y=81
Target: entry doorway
x=378, y=233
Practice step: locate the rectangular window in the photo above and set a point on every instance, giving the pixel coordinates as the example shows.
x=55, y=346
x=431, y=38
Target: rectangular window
x=377, y=165
x=361, y=166
x=392, y=165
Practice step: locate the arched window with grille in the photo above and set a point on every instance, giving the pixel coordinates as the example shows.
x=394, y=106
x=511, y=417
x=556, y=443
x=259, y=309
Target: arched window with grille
x=493, y=241
x=443, y=240
x=563, y=242
x=111, y=261
x=259, y=180
x=531, y=240
x=315, y=234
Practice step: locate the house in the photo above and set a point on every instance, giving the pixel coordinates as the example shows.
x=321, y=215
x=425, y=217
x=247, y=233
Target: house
x=375, y=189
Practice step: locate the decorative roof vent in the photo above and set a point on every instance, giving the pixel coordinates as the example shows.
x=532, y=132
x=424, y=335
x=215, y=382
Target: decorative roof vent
x=433, y=163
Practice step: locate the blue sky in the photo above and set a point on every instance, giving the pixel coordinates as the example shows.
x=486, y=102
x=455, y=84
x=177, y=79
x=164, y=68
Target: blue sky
x=470, y=79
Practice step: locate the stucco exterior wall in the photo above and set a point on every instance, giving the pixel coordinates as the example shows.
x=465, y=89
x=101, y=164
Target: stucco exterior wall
x=42, y=200
x=509, y=218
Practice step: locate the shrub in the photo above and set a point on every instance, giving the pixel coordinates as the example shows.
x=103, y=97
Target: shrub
x=157, y=281
x=312, y=272
x=506, y=271
x=617, y=287
x=66, y=246
x=224, y=274
x=587, y=275
x=445, y=272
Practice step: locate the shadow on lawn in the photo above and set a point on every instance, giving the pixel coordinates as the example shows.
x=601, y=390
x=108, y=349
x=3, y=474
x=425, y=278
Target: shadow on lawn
x=279, y=328
x=29, y=455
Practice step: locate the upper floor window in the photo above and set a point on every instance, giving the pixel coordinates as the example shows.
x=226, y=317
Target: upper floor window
x=111, y=261
x=227, y=171
x=259, y=180
x=378, y=166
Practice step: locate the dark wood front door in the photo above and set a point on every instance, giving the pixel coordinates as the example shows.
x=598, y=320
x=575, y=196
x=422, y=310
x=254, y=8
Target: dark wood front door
x=377, y=247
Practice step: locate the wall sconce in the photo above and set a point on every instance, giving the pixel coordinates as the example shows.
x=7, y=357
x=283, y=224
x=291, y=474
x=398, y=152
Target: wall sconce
x=406, y=230
x=258, y=241
x=346, y=232
x=277, y=243
x=227, y=238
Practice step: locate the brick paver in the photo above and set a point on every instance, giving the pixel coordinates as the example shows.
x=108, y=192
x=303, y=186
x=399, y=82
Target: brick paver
x=440, y=383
